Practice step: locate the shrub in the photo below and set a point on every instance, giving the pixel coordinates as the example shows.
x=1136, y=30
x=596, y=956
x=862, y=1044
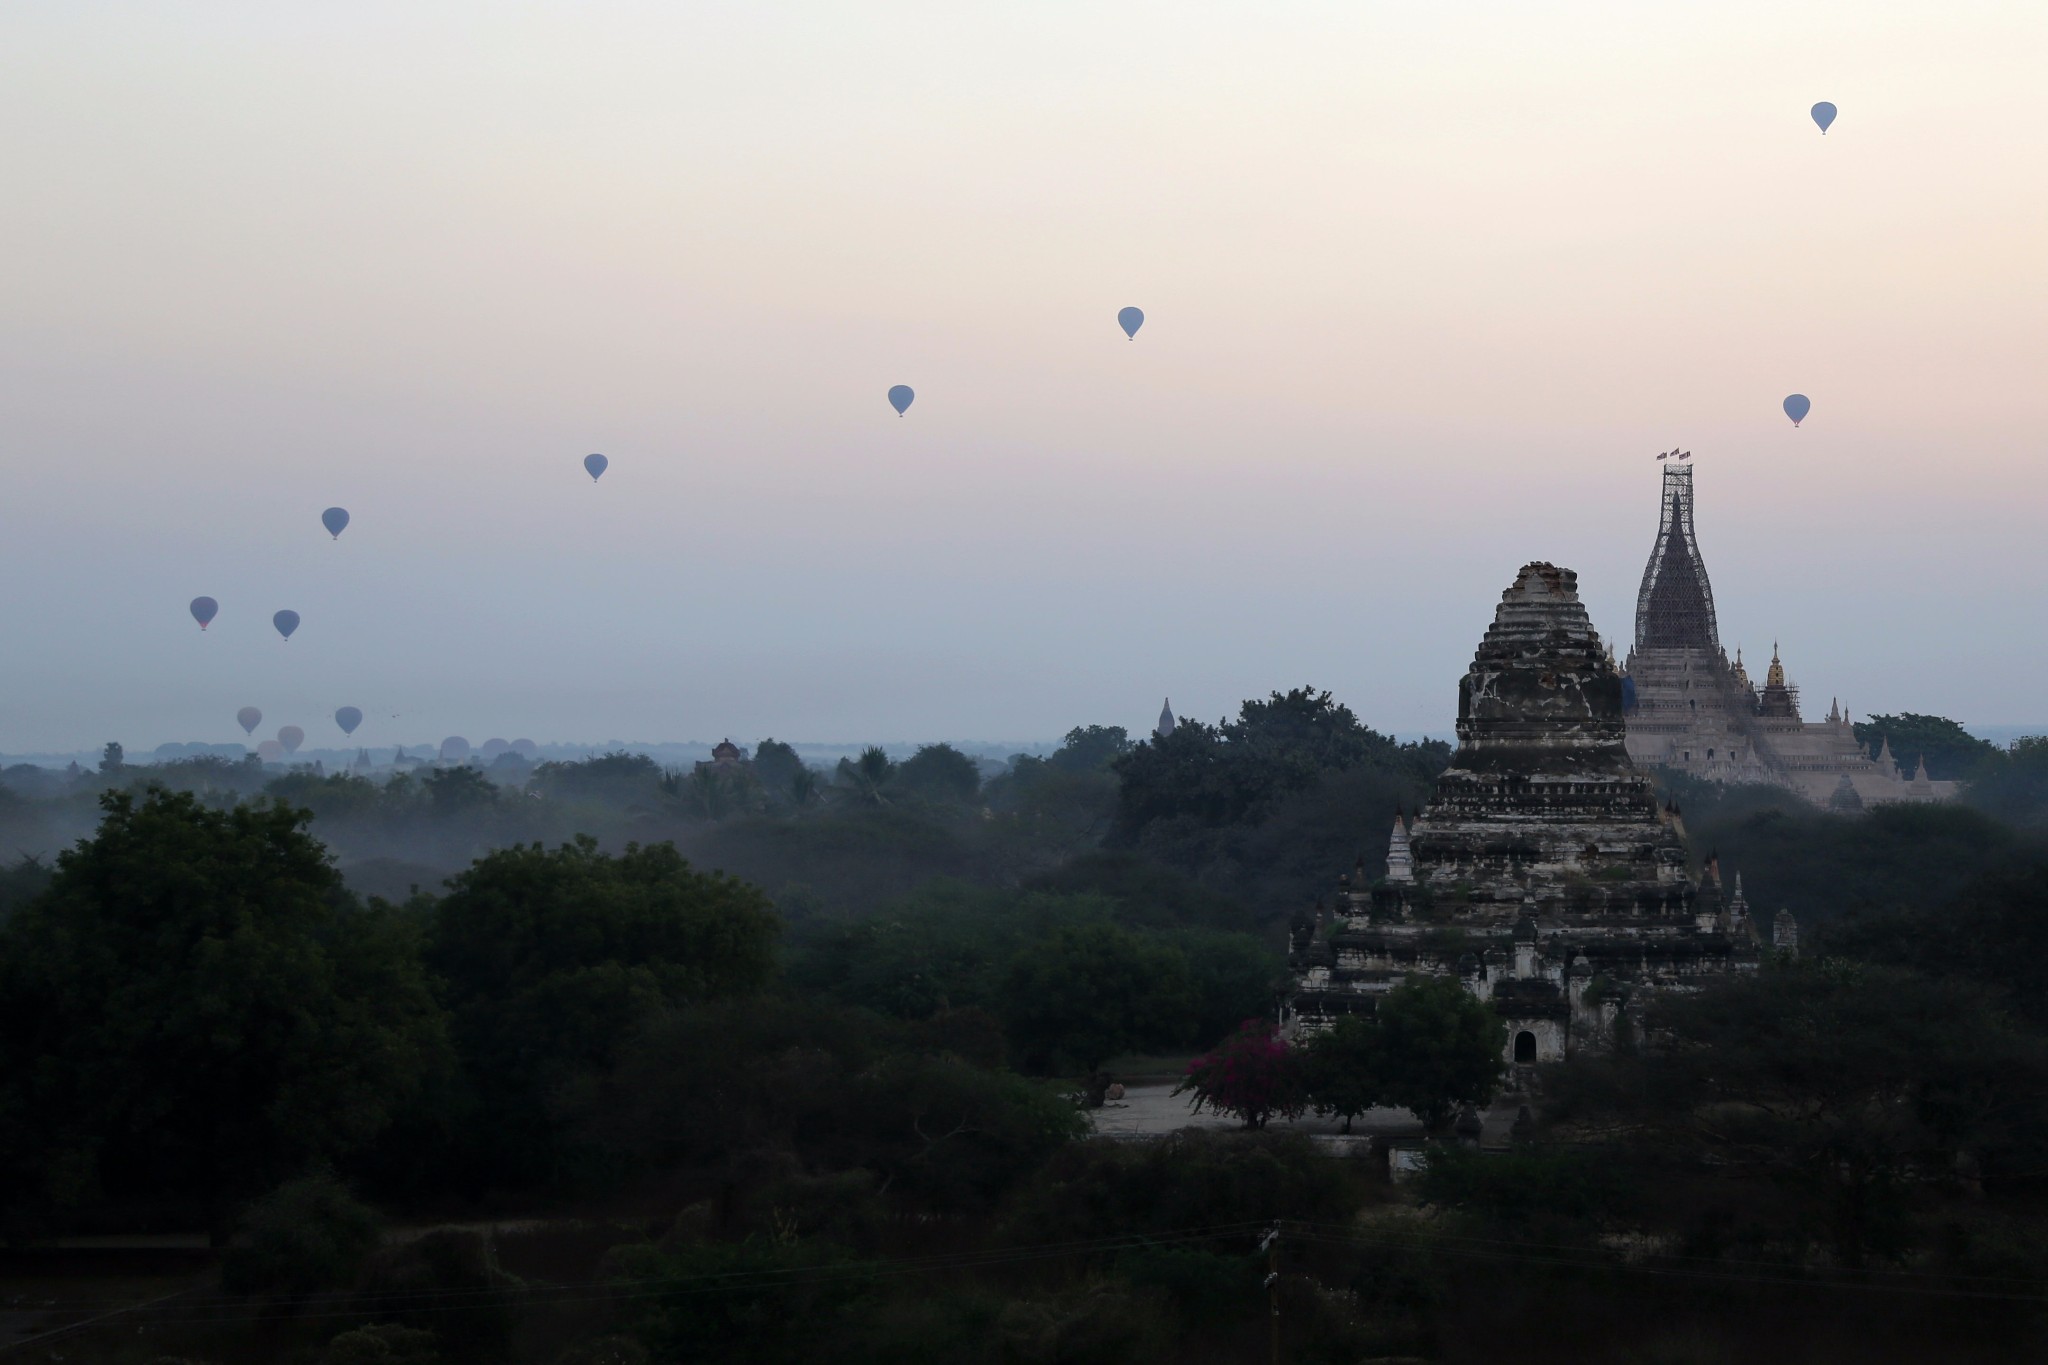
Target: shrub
x=1252, y=1075
x=306, y=1235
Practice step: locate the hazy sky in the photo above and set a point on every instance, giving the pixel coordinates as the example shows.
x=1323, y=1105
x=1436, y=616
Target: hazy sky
x=1427, y=286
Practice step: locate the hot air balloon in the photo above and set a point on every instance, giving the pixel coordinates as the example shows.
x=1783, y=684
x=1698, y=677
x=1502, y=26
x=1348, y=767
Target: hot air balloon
x=348, y=718
x=1797, y=406
x=335, y=519
x=596, y=464
x=291, y=737
x=454, y=749
x=270, y=751
x=204, y=609
x=525, y=748
x=491, y=748
x=286, y=622
x=1823, y=114
x=1131, y=319
x=248, y=718
x=899, y=398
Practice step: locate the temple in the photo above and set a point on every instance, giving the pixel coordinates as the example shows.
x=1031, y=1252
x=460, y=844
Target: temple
x=1690, y=709
x=1543, y=873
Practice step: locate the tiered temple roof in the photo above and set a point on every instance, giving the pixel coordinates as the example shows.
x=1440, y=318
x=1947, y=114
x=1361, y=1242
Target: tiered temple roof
x=1546, y=874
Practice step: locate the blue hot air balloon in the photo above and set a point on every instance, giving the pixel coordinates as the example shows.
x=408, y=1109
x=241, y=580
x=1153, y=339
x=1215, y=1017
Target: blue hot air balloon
x=899, y=398
x=1797, y=406
x=596, y=464
x=204, y=609
x=286, y=622
x=348, y=718
x=1130, y=319
x=1823, y=114
x=335, y=519
x=248, y=718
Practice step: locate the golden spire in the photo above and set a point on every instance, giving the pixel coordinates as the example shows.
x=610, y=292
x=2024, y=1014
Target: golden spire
x=1776, y=677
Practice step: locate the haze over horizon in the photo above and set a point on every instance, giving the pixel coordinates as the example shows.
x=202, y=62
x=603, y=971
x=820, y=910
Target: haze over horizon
x=1425, y=291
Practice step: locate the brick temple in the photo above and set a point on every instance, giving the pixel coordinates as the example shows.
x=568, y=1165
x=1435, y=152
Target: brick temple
x=1544, y=873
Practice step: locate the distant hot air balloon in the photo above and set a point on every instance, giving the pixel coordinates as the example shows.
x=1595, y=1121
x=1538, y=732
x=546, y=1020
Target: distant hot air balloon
x=1797, y=406
x=348, y=718
x=291, y=737
x=248, y=718
x=270, y=751
x=335, y=519
x=454, y=749
x=596, y=464
x=491, y=748
x=286, y=622
x=204, y=609
x=525, y=748
x=1823, y=114
x=1131, y=319
x=899, y=398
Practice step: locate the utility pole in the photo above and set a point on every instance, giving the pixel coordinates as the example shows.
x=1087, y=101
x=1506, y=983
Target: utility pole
x=1271, y=1246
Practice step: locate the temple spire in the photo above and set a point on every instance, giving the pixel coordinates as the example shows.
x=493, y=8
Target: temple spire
x=1675, y=607
x=1166, y=720
x=1400, y=862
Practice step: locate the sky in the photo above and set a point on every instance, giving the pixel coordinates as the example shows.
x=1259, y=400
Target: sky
x=1426, y=288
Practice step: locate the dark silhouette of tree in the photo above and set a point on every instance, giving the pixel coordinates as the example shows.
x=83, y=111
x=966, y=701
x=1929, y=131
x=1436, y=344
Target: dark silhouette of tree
x=1439, y=1047
x=553, y=958
x=197, y=1008
x=1087, y=992
x=1341, y=1071
x=938, y=772
x=1952, y=753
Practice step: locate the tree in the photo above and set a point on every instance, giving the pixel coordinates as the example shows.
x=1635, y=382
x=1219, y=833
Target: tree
x=1087, y=992
x=1846, y=1086
x=1235, y=772
x=618, y=777
x=2015, y=788
x=868, y=775
x=1251, y=1075
x=1091, y=748
x=554, y=957
x=308, y=1234
x=782, y=773
x=1993, y=933
x=452, y=791
x=939, y=772
x=196, y=1008
x=1952, y=753
x=1439, y=1047
x=112, y=760
x=1341, y=1072
x=1233, y=977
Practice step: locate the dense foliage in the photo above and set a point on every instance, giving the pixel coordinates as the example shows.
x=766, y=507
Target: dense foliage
x=197, y=1006
x=587, y=1101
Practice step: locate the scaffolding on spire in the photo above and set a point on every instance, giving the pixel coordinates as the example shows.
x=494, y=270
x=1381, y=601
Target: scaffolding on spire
x=1675, y=608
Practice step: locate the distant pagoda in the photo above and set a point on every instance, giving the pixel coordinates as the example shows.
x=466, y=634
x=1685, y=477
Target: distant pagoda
x=1689, y=709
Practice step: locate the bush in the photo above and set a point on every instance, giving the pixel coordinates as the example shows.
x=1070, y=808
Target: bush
x=420, y=1279
x=384, y=1343
x=1252, y=1075
x=306, y=1235
x=614, y=1350
x=1189, y=1181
